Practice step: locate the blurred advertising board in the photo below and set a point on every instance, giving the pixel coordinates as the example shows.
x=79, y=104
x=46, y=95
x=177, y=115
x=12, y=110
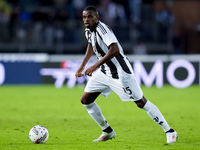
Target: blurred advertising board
x=20, y=73
x=180, y=72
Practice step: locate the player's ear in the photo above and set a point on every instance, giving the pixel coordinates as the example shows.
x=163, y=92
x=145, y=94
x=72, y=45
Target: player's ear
x=97, y=17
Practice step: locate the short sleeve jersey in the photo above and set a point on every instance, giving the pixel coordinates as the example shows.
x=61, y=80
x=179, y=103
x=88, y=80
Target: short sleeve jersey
x=100, y=40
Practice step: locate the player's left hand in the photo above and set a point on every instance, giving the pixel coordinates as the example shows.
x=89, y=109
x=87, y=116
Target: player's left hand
x=90, y=70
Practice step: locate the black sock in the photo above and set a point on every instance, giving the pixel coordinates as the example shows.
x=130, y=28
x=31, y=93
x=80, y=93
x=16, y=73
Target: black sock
x=108, y=129
x=171, y=130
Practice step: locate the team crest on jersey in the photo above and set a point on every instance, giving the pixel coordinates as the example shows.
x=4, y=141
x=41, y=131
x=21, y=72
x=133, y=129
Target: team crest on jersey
x=89, y=38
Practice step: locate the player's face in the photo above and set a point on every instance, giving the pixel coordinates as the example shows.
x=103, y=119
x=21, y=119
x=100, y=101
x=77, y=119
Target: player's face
x=89, y=18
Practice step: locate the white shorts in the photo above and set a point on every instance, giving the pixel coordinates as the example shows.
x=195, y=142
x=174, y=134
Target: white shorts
x=126, y=87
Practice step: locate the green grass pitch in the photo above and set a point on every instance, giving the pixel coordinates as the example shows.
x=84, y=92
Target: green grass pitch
x=71, y=128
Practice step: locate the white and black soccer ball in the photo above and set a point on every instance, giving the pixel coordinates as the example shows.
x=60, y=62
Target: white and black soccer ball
x=38, y=134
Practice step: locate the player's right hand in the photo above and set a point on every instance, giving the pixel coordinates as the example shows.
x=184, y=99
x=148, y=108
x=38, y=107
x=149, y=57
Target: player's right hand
x=79, y=72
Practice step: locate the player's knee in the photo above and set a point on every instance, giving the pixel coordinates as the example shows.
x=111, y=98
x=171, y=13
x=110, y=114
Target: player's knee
x=83, y=100
x=140, y=103
x=88, y=98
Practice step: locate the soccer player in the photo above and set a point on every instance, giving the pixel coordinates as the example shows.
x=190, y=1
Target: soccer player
x=114, y=74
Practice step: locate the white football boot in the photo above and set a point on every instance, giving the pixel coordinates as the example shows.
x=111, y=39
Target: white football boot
x=171, y=137
x=105, y=136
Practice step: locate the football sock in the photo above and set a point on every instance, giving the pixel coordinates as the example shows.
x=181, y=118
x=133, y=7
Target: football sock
x=108, y=129
x=156, y=115
x=171, y=130
x=95, y=112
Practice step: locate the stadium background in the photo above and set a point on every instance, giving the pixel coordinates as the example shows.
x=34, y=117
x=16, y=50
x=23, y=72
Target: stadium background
x=42, y=42
x=38, y=34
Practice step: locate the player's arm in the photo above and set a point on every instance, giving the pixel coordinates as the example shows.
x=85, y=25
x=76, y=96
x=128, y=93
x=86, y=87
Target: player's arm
x=113, y=51
x=88, y=55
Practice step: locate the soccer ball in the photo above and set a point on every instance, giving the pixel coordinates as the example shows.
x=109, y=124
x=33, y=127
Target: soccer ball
x=38, y=134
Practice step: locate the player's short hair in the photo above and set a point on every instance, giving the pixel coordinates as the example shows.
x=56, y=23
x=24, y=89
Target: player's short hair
x=91, y=8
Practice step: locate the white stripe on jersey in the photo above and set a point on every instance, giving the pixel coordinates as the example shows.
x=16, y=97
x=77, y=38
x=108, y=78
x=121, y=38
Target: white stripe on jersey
x=100, y=40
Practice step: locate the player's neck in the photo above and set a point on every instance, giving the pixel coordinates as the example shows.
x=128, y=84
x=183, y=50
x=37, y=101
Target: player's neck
x=93, y=28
